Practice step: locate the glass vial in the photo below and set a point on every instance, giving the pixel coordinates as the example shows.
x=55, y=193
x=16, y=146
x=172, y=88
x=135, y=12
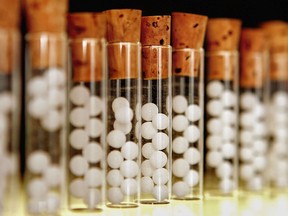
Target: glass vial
x=156, y=110
x=277, y=34
x=45, y=120
x=123, y=102
x=253, y=112
x=187, y=105
x=9, y=119
x=221, y=175
x=86, y=112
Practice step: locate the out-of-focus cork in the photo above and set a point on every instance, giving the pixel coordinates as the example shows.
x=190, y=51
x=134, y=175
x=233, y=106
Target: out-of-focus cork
x=156, y=50
x=86, y=31
x=123, y=25
x=188, y=31
x=9, y=14
x=223, y=34
x=253, y=58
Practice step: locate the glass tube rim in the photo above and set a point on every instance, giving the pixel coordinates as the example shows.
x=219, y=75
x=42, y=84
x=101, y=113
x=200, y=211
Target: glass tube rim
x=51, y=35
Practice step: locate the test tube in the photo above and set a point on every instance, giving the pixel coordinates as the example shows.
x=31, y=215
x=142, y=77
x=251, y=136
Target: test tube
x=277, y=33
x=221, y=116
x=9, y=107
x=156, y=110
x=86, y=111
x=45, y=105
x=253, y=110
x=123, y=103
x=188, y=31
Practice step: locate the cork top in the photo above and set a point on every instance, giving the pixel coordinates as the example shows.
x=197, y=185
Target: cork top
x=123, y=25
x=253, y=40
x=46, y=16
x=223, y=34
x=188, y=30
x=9, y=13
x=85, y=25
x=155, y=30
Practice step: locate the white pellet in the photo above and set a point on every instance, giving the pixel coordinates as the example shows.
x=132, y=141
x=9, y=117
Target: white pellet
x=246, y=171
x=179, y=104
x=247, y=120
x=191, y=178
x=116, y=138
x=124, y=115
x=228, y=150
x=246, y=154
x=94, y=105
x=129, y=150
x=247, y=100
x=38, y=161
x=114, y=159
x=55, y=77
x=148, y=111
x=180, y=189
x=226, y=185
x=192, y=156
x=214, y=126
x=147, y=150
x=193, y=113
x=160, y=141
x=214, y=142
x=147, y=130
x=158, y=159
x=129, y=168
x=179, y=123
x=214, y=89
x=78, y=188
x=79, y=95
x=160, y=121
x=93, y=152
x=180, y=167
x=92, y=198
x=114, y=178
x=160, y=192
x=94, y=127
x=147, y=185
x=180, y=145
x=125, y=128
x=37, y=86
x=37, y=188
x=129, y=187
x=192, y=133
x=93, y=177
x=214, y=158
x=78, y=138
x=160, y=176
x=38, y=107
x=228, y=117
x=78, y=165
x=228, y=98
x=78, y=117
x=214, y=107
x=52, y=175
x=146, y=168
x=224, y=170
x=119, y=102
x=115, y=195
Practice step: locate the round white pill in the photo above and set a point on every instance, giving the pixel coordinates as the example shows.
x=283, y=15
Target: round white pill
x=246, y=137
x=115, y=195
x=228, y=133
x=228, y=98
x=78, y=138
x=147, y=130
x=78, y=117
x=124, y=115
x=246, y=154
x=160, y=141
x=246, y=172
x=179, y=123
x=52, y=176
x=52, y=121
x=228, y=117
x=146, y=168
x=158, y=159
x=37, y=188
x=214, y=158
x=92, y=198
x=114, y=178
x=125, y=128
x=179, y=104
x=94, y=127
x=192, y=133
x=129, y=150
x=116, y=138
x=191, y=178
x=56, y=97
x=226, y=185
x=224, y=170
x=93, y=152
x=78, y=188
x=129, y=187
x=260, y=129
x=228, y=150
x=280, y=99
x=38, y=107
x=52, y=202
x=280, y=118
x=94, y=105
x=37, y=86
x=247, y=119
x=180, y=167
x=160, y=192
x=129, y=168
x=259, y=111
x=79, y=95
x=93, y=177
x=160, y=176
x=78, y=165
x=192, y=156
x=214, y=107
x=180, y=145
x=114, y=159
x=119, y=102
x=259, y=163
x=214, y=142
x=214, y=89
x=214, y=126
x=38, y=161
x=147, y=150
x=55, y=77
x=281, y=134
x=147, y=185
x=180, y=189
x=148, y=111
x=160, y=121
x=247, y=100
x=193, y=113
x=280, y=148
x=256, y=183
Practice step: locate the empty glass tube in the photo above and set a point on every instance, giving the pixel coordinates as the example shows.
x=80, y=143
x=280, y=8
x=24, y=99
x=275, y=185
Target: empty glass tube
x=187, y=105
x=221, y=174
x=123, y=105
x=253, y=112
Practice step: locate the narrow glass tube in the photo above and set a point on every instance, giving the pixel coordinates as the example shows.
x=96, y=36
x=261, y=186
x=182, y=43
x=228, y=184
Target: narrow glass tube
x=9, y=120
x=86, y=120
x=45, y=121
x=123, y=122
x=187, y=124
x=221, y=175
x=156, y=124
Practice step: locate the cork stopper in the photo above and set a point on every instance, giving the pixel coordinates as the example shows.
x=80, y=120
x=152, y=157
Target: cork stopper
x=155, y=30
x=188, y=30
x=46, y=16
x=85, y=25
x=223, y=34
x=123, y=25
x=253, y=52
x=9, y=14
